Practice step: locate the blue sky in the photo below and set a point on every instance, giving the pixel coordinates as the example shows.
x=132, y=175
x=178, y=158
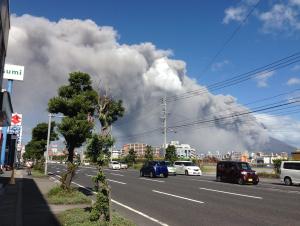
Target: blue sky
x=194, y=31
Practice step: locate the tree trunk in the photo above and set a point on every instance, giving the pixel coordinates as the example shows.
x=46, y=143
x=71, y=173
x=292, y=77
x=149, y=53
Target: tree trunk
x=71, y=153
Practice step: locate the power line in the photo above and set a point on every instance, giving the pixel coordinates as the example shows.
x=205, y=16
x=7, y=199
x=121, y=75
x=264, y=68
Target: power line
x=230, y=38
x=284, y=62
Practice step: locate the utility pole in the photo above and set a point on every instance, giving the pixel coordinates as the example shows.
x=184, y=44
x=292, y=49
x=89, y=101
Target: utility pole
x=164, y=118
x=48, y=141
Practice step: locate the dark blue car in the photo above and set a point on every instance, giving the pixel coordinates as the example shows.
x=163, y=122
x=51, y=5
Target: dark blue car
x=154, y=169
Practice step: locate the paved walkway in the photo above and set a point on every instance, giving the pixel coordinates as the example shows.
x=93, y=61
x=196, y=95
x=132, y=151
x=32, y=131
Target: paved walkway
x=23, y=203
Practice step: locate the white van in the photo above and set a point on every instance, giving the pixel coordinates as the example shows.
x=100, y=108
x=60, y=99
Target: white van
x=290, y=172
x=187, y=168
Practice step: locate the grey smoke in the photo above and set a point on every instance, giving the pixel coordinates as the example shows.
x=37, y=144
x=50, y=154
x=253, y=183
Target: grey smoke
x=138, y=74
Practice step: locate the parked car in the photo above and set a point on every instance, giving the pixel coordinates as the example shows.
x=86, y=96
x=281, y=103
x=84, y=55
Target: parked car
x=85, y=162
x=154, y=169
x=171, y=168
x=187, y=168
x=237, y=172
x=123, y=165
x=290, y=172
x=114, y=165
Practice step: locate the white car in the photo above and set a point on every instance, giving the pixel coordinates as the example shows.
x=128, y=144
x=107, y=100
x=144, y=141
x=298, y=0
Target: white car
x=171, y=168
x=114, y=165
x=187, y=168
x=123, y=165
x=290, y=172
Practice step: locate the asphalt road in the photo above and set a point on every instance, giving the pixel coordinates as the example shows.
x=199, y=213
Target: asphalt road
x=195, y=200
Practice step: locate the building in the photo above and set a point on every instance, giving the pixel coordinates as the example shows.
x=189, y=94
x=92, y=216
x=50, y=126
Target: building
x=296, y=155
x=5, y=101
x=183, y=150
x=138, y=148
x=116, y=154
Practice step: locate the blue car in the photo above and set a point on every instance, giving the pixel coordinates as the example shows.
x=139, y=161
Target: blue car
x=154, y=169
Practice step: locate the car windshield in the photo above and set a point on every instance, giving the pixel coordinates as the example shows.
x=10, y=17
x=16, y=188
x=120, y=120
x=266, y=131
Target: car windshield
x=244, y=166
x=169, y=164
x=115, y=163
x=188, y=163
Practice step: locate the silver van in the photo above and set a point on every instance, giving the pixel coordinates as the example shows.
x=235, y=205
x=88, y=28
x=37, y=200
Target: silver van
x=290, y=172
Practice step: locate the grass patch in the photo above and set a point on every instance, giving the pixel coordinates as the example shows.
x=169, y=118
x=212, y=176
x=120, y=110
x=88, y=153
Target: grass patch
x=37, y=173
x=208, y=168
x=59, y=196
x=81, y=217
x=268, y=175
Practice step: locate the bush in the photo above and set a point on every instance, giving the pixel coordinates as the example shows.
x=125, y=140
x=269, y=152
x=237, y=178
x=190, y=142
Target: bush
x=57, y=195
x=81, y=217
x=39, y=166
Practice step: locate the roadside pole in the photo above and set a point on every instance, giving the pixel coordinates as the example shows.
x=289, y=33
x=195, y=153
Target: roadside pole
x=4, y=129
x=48, y=141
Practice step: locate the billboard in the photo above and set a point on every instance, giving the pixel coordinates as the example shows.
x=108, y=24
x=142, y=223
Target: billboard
x=13, y=72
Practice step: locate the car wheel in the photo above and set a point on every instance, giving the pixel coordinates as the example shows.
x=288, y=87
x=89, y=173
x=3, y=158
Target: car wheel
x=175, y=174
x=218, y=179
x=288, y=181
x=255, y=183
x=186, y=173
x=152, y=174
x=240, y=181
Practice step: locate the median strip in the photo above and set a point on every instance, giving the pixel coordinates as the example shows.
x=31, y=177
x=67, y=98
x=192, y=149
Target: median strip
x=161, y=181
x=177, y=196
x=125, y=206
x=231, y=193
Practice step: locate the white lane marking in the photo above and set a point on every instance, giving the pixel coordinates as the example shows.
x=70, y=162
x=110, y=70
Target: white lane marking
x=140, y=213
x=161, y=181
x=115, y=181
x=117, y=174
x=57, y=171
x=231, y=193
x=203, y=180
x=127, y=207
x=177, y=196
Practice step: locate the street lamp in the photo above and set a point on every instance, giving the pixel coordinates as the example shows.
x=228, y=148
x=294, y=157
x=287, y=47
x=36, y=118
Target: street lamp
x=48, y=139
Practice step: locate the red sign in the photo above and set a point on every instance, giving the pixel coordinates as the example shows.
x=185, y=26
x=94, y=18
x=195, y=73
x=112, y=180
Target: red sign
x=16, y=119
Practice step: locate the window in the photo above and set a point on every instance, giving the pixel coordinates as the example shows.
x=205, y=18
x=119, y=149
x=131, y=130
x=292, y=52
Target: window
x=177, y=163
x=292, y=165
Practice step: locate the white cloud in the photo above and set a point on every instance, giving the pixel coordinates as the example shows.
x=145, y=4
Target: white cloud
x=219, y=65
x=138, y=74
x=293, y=81
x=283, y=128
x=262, y=78
x=281, y=17
x=235, y=14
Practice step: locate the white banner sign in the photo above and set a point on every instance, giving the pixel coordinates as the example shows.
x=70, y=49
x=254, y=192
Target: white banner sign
x=13, y=72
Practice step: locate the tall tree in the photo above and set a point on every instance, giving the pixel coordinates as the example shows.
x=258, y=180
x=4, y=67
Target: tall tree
x=108, y=111
x=171, y=154
x=35, y=148
x=76, y=101
x=131, y=157
x=149, y=153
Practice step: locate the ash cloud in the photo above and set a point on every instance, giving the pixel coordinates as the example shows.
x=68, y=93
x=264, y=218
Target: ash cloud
x=138, y=74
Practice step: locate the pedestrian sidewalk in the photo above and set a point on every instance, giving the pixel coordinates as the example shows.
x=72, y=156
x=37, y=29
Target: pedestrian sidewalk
x=23, y=203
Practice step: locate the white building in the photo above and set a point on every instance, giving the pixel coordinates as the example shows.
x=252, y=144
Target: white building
x=116, y=154
x=183, y=150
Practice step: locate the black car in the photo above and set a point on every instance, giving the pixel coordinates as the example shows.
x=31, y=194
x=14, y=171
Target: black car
x=237, y=172
x=154, y=169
